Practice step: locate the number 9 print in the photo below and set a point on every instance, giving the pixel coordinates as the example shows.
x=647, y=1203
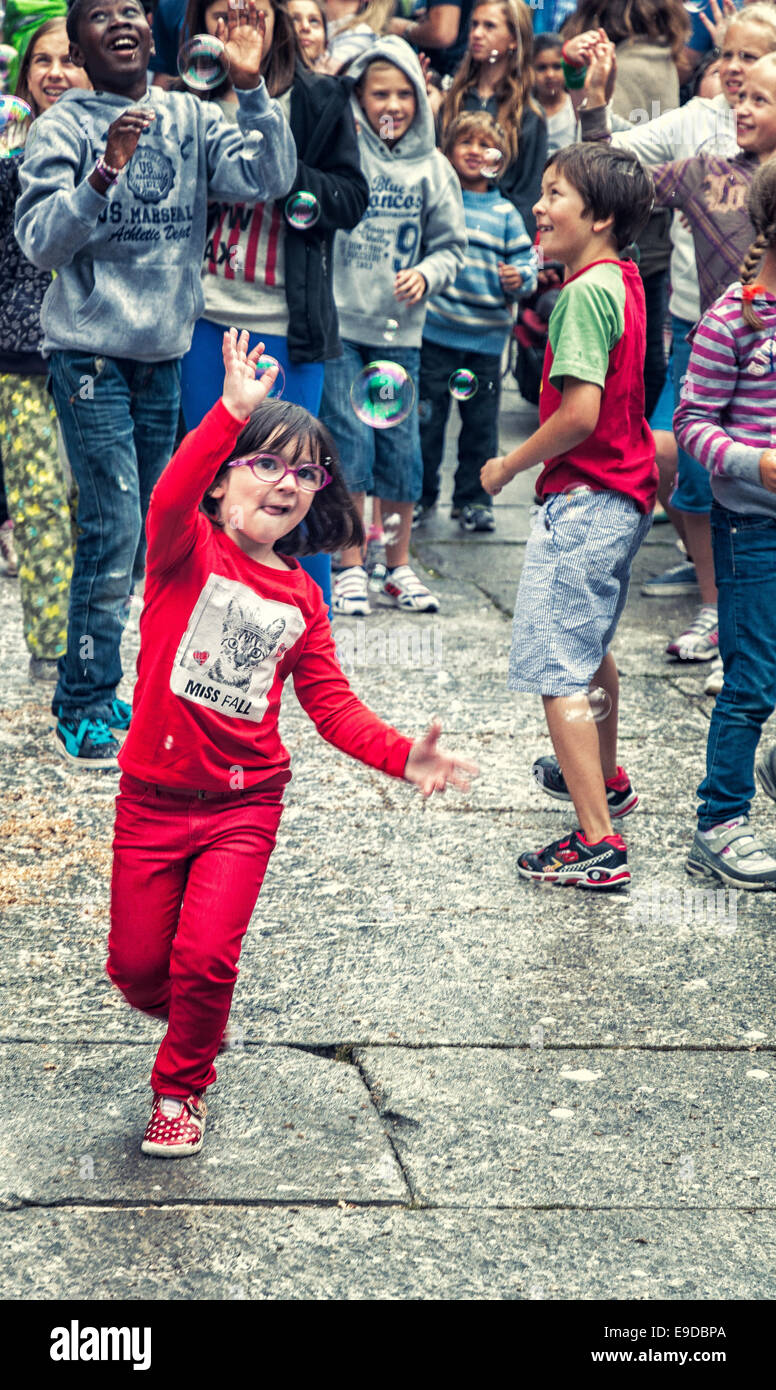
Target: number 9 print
x=406, y=243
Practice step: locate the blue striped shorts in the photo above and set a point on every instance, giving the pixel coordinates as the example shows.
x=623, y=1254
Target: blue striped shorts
x=573, y=589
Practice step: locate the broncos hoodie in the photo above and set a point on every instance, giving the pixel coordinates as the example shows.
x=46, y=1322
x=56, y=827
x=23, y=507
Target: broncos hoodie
x=128, y=262
x=414, y=220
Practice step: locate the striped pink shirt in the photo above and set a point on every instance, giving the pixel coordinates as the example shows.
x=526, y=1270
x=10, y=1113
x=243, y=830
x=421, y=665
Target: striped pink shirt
x=726, y=415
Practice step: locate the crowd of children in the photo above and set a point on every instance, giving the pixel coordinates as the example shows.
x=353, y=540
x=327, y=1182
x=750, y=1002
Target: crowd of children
x=150, y=255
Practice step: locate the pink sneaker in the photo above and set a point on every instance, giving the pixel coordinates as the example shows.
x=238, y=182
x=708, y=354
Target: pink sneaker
x=176, y=1127
x=701, y=640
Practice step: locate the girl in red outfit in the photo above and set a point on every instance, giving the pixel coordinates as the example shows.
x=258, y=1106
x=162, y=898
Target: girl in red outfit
x=229, y=614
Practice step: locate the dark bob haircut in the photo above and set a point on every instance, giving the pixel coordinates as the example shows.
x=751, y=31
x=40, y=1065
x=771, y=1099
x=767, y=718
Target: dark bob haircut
x=611, y=183
x=332, y=522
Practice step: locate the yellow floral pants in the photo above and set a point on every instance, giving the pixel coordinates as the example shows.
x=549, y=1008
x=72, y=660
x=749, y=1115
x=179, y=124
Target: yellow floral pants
x=43, y=514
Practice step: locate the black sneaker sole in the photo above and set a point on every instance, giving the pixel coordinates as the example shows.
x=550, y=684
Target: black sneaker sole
x=699, y=868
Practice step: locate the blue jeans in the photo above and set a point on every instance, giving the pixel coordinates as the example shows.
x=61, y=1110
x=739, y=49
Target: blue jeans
x=745, y=567
x=202, y=377
x=118, y=418
x=385, y=463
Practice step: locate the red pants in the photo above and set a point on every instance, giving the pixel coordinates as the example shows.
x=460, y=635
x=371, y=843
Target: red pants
x=186, y=876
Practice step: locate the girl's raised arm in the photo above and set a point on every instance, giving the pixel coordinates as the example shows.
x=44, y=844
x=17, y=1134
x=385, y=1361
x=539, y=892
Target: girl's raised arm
x=173, y=513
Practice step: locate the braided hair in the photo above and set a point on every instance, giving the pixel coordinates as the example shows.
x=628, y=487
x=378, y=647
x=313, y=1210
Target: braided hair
x=761, y=205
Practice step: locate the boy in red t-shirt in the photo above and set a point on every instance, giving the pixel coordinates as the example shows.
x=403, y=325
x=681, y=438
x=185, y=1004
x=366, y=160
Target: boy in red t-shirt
x=597, y=489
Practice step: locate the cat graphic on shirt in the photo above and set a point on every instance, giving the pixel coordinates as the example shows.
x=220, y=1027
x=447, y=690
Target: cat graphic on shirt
x=244, y=645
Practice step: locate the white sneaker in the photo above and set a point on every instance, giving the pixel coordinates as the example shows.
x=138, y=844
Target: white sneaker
x=701, y=640
x=403, y=589
x=715, y=678
x=350, y=594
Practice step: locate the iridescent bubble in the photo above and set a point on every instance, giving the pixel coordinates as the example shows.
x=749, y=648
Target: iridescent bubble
x=382, y=395
x=592, y=706
x=302, y=210
x=390, y=330
x=492, y=163
x=202, y=63
x=279, y=386
x=463, y=384
x=14, y=116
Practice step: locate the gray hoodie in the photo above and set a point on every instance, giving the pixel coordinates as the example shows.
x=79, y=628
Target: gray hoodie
x=414, y=219
x=127, y=263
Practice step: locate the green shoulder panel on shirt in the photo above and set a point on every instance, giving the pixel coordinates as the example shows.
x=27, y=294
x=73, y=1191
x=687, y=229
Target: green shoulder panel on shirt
x=586, y=323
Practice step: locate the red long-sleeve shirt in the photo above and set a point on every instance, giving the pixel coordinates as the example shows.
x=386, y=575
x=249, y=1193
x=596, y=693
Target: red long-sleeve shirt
x=219, y=635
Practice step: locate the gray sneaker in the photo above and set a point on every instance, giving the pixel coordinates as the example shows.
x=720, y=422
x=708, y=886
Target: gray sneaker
x=680, y=579
x=766, y=773
x=733, y=855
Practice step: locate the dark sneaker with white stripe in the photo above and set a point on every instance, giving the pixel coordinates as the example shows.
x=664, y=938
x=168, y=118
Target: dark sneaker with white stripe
x=546, y=771
x=475, y=517
x=573, y=861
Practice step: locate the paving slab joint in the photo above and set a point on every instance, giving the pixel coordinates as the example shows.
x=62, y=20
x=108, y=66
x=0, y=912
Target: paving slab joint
x=393, y=1120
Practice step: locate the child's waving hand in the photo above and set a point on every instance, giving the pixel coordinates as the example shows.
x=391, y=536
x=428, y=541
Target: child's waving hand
x=430, y=768
x=243, y=34
x=242, y=393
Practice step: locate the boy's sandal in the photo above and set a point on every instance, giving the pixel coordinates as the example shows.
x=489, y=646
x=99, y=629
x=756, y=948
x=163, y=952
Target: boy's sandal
x=175, y=1135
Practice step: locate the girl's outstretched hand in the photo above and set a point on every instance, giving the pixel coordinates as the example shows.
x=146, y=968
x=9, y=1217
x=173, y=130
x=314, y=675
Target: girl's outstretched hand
x=430, y=768
x=242, y=393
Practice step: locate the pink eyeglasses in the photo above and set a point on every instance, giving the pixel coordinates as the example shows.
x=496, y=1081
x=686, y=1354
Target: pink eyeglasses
x=270, y=468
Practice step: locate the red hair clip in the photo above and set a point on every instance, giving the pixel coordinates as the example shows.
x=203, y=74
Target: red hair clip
x=750, y=292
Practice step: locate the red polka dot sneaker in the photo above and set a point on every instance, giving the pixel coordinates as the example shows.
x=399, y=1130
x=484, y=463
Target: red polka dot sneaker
x=176, y=1127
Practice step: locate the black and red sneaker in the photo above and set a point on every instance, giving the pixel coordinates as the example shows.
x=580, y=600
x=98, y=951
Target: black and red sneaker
x=574, y=861
x=620, y=793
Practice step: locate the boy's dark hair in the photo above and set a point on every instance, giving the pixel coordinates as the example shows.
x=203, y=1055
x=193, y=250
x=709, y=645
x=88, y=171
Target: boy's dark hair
x=332, y=522
x=610, y=182
x=543, y=41
x=74, y=8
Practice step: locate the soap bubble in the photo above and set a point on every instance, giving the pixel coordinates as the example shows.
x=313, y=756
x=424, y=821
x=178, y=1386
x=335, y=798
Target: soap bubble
x=492, y=163
x=382, y=395
x=202, y=63
x=390, y=330
x=463, y=384
x=279, y=386
x=592, y=706
x=302, y=210
x=494, y=55
x=13, y=117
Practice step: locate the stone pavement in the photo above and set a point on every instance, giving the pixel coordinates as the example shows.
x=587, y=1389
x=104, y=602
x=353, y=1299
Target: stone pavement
x=447, y=1082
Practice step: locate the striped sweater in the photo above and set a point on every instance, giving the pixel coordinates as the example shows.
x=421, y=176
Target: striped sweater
x=473, y=313
x=725, y=417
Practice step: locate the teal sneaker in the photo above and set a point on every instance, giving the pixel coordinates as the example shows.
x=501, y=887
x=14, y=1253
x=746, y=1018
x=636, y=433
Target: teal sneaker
x=85, y=743
x=120, y=718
